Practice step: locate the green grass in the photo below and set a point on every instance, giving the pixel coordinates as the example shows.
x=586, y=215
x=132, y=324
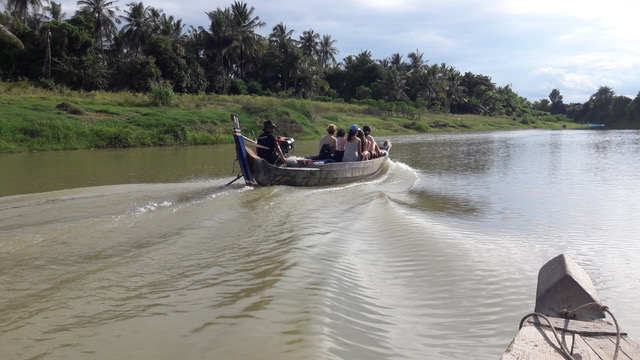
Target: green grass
x=30, y=119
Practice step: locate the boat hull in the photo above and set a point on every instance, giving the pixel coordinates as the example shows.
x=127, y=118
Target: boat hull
x=257, y=171
x=313, y=174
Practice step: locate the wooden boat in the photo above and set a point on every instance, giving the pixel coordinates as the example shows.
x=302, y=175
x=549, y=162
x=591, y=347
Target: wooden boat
x=306, y=172
x=569, y=320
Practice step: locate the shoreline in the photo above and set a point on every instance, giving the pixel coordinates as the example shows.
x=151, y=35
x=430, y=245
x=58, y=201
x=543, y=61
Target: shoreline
x=35, y=119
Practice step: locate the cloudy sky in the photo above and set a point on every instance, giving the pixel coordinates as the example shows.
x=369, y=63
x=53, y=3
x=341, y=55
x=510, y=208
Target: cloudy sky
x=532, y=45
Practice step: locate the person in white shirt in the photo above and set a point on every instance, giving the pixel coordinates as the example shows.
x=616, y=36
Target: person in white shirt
x=352, y=145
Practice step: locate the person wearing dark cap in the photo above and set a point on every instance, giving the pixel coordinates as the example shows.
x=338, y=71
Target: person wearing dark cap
x=272, y=152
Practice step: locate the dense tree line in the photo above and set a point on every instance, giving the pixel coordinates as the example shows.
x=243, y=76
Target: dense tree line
x=604, y=107
x=139, y=48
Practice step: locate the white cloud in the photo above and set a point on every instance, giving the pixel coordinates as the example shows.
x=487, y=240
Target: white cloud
x=384, y=5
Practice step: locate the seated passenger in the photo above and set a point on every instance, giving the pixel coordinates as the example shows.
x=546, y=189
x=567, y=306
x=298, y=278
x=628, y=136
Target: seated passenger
x=352, y=145
x=328, y=144
x=372, y=146
x=340, y=140
x=364, y=154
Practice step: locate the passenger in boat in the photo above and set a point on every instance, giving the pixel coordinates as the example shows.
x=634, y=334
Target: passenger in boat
x=273, y=153
x=352, y=145
x=328, y=144
x=340, y=141
x=364, y=154
x=372, y=146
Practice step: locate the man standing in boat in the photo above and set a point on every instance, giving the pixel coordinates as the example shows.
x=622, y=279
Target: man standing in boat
x=272, y=152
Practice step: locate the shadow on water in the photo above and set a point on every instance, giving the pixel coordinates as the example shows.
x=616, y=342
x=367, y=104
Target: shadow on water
x=444, y=205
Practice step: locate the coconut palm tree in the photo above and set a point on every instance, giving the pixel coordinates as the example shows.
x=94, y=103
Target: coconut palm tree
x=8, y=37
x=103, y=13
x=54, y=11
x=219, y=39
x=396, y=60
x=393, y=85
x=246, y=42
x=327, y=52
x=416, y=59
x=309, y=43
x=22, y=8
x=284, y=49
x=170, y=27
x=137, y=26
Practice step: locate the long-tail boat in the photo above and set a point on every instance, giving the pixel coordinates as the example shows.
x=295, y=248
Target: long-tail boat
x=302, y=172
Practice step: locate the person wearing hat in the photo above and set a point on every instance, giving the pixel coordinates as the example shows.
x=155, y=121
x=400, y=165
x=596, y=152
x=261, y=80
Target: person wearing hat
x=352, y=145
x=272, y=152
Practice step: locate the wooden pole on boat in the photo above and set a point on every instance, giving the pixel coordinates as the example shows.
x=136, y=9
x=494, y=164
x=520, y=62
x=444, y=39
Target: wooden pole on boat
x=241, y=153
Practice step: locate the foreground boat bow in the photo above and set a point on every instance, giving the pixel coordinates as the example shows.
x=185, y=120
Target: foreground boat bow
x=569, y=320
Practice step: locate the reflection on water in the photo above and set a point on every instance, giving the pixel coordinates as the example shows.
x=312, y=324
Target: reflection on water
x=46, y=171
x=436, y=258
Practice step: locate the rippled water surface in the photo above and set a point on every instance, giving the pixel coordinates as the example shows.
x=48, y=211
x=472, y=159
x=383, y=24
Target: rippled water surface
x=146, y=254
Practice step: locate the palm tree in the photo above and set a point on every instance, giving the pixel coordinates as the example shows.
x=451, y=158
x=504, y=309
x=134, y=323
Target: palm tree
x=246, y=42
x=46, y=66
x=393, y=85
x=286, y=53
x=21, y=8
x=396, y=60
x=416, y=59
x=327, y=52
x=170, y=27
x=309, y=43
x=55, y=12
x=452, y=85
x=103, y=13
x=8, y=37
x=219, y=39
x=137, y=26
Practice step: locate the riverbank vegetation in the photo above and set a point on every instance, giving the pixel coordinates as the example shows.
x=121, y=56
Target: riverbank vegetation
x=140, y=77
x=38, y=119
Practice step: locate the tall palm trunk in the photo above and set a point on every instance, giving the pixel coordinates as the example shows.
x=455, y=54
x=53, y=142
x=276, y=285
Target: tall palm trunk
x=46, y=67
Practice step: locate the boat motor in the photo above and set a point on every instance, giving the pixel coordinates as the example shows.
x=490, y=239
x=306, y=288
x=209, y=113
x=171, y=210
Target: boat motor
x=286, y=143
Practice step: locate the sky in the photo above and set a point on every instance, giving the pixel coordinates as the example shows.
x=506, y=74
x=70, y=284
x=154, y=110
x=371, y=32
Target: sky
x=535, y=46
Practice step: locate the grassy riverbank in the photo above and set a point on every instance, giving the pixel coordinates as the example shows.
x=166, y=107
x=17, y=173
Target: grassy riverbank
x=35, y=119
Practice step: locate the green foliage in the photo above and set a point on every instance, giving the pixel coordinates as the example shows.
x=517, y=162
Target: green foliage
x=186, y=76
x=418, y=127
x=238, y=87
x=138, y=74
x=162, y=94
x=31, y=121
x=555, y=118
x=81, y=73
x=229, y=57
x=69, y=40
x=254, y=88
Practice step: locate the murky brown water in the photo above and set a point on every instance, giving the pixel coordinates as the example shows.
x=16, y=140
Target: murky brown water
x=145, y=254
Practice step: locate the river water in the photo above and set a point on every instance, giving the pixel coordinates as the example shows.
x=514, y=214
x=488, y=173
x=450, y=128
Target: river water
x=146, y=254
